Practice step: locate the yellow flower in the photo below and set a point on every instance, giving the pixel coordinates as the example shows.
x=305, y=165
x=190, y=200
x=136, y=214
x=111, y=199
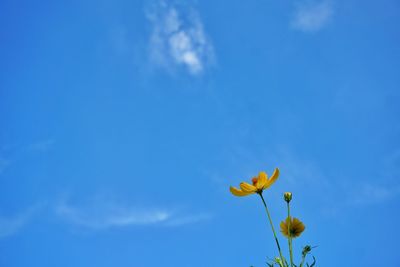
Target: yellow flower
x=296, y=227
x=260, y=183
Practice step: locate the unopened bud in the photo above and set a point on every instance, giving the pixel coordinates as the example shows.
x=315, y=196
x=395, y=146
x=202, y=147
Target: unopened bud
x=287, y=196
x=279, y=261
x=306, y=250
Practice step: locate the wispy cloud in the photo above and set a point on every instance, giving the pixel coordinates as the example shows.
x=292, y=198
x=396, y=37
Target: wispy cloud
x=10, y=225
x=4, y=163
x=368, y=193
x=105, y=216
x=41, y=145
x=353, y=191
x=312, y=16
x=383, y=188
x=187, y=219
x=12, y=154
x=178, y=38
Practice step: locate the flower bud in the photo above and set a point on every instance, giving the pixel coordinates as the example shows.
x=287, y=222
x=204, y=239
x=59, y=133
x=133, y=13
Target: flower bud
x=306, y=250
x=279, y=261
x=287, y=196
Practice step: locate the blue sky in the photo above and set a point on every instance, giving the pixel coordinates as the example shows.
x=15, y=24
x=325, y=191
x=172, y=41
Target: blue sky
x=123, y=124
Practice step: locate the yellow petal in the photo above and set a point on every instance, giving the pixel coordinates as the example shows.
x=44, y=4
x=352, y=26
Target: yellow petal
x=248, y=187
x=261, y=180
x=272, y=179
x=237, y=192
x=296, y=222
x=284, y=228
x=297, y=227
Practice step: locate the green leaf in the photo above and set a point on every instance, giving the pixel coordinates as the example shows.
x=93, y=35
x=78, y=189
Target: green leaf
x=313, y=264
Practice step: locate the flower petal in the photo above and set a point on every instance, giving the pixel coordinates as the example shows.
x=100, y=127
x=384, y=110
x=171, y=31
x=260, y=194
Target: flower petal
x=261, y=180
x=284, y=228
x=272, y=179
x=237, y=192
x=297, y=227
x=296, y=222
x=248, y=187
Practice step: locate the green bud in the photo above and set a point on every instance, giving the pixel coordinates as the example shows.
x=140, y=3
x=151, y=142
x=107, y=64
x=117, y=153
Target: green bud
x=287, y=196
x=279, y=261
x=306, y=250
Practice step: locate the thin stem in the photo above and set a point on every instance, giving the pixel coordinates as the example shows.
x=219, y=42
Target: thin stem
x=273, y=229
x=302, y=260
x=289, y=235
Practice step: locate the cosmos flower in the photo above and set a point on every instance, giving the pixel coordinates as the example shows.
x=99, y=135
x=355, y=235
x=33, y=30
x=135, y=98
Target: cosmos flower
x=296, y=227
x=259, y=183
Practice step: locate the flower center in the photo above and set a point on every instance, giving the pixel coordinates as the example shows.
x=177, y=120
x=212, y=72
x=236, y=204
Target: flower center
x=254, y=180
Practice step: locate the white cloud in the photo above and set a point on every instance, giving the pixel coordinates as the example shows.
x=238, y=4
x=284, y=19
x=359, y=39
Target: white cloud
x=367, y=193
x=307, y=174
x=178, y=39
x=10, y=225
x=188, y=219
x=384, y=187
x=105, y=216
x=42, y=145
x=312, y=16
x=4, y=163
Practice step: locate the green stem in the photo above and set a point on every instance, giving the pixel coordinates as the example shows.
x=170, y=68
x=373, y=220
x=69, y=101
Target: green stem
x=273, y=230
x=302, y=260
x=290, y=237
